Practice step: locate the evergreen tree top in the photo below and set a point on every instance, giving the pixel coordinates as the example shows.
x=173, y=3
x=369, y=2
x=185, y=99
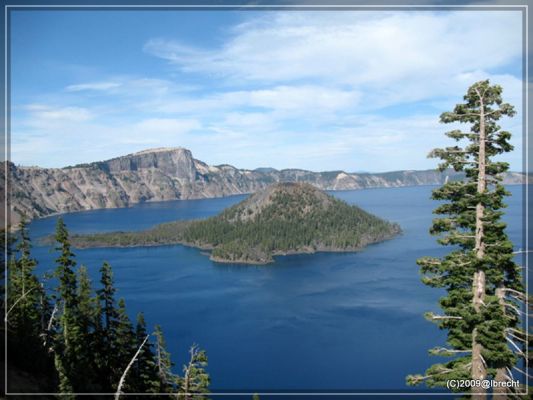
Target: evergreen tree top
x=479, y=93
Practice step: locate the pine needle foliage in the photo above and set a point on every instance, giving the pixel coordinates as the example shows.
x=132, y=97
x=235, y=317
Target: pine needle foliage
x=479, y=270
x=195, y=382
x=80, y=340
x=167, y=379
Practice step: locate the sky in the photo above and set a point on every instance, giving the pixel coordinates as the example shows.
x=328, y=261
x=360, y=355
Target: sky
x=318, y=90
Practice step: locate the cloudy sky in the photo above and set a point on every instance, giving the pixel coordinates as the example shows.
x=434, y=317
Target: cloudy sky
x=322, y=90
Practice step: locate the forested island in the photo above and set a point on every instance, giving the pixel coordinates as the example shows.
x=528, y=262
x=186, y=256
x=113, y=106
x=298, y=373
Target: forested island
x=285, y=218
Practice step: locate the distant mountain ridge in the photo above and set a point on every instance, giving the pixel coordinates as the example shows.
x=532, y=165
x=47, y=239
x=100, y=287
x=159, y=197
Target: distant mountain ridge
x=172, y=173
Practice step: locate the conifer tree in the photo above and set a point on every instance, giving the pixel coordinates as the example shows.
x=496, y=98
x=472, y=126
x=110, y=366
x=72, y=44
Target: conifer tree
x=167, y=380
x=125, y=345
x=195, y=381
x=87, y=303
x=68, y=342
x=106, y=295
x=479, y=273
x=92, y=342
x=22, y=281
x=109, y=354
x=145, y=375
x=65, y=270
x=88, y=324
x=27, y=281
x=26, y=308
x=100, y=356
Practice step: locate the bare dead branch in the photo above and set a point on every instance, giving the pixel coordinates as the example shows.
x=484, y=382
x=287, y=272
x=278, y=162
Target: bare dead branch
x=49, y=326
x=516, y=293
x=510, y=373
x=52, y=317
x=186, y=376
x=517, y=331
x=516, y=309
x=438, y=350
x=483, y=360
x=516, y=337
x=516, y=347
x=444, y=371
x=123, y=377
x=522, y=372
x=442, y=317
x=16, y=302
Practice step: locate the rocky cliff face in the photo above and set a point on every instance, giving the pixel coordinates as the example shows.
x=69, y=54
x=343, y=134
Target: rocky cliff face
x=173, y=173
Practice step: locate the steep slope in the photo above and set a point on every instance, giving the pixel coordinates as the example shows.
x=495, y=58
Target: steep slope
x=285, y=218
x=169, y=174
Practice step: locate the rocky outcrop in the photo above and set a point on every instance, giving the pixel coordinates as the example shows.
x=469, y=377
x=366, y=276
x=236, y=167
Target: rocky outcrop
x=173, y=173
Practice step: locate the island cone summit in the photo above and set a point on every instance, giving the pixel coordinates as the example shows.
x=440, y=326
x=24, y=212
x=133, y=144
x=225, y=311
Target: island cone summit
x=284, y=218
x=300, y=198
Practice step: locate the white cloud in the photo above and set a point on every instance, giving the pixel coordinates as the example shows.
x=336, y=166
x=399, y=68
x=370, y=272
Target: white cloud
x=295, y=99
x=289, y=98
x=247, y=122
x=352, y=90
x=48, y=113
x=247, y=140
x=155, y=126
x=97, y=86
x=379, y=58
x=131, y=87
x=358, y=48
x=47, y=145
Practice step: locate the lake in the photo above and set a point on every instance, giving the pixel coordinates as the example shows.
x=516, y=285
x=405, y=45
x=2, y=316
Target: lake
x=316, y=322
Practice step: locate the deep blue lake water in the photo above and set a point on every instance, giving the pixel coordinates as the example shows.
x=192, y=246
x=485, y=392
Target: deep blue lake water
x=326, y=321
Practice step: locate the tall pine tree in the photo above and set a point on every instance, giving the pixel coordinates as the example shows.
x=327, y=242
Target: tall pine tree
x=27, y=304
x=87, y=324
x=107, y=335
x=167, y=380
x=68, y=341
x=479, y=272
x=144, y=370
x=125, y=345
x=26, y=312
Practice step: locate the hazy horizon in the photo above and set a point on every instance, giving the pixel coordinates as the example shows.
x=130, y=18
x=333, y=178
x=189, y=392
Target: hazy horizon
x=320, y=91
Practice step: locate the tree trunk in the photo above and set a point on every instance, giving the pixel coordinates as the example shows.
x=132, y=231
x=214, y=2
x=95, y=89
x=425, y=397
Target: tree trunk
x=162, y=376
x=186, y=384
x=479, y=369
x=187, y=375
x=500, y=393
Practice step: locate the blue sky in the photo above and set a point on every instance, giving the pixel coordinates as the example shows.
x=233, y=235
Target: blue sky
x=350, y=90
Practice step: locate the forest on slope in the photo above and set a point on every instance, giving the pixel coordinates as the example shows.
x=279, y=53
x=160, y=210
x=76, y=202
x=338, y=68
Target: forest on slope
x=66, y=336
x=285, y=218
